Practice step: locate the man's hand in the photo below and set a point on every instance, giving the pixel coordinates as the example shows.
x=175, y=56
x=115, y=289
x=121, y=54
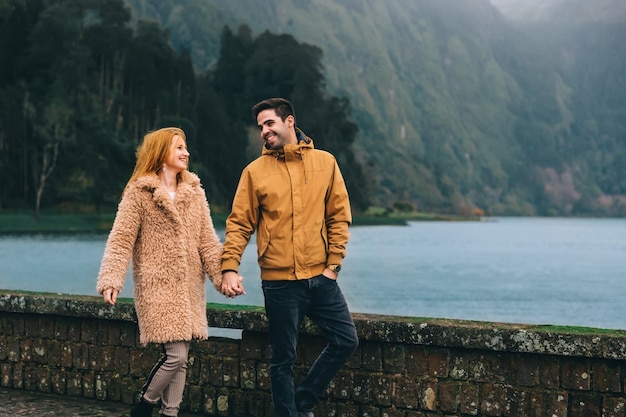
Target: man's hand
x=232, y=284
x=110, y=296
x=329, y=273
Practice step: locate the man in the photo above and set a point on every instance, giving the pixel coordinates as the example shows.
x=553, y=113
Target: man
x=295, y=198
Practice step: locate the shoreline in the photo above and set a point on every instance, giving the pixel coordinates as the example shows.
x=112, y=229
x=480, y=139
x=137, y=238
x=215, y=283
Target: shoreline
x=25, y=223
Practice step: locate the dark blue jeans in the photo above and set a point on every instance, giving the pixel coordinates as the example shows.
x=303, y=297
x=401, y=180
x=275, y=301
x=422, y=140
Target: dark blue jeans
x=286, y=305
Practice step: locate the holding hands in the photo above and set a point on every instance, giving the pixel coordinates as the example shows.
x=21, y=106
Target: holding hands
x=232, y=284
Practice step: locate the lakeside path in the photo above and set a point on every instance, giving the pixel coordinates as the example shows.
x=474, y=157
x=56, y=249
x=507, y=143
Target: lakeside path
x=24, y=403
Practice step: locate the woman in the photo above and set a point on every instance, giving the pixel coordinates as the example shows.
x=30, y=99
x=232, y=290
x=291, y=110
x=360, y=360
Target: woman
x=163, y=222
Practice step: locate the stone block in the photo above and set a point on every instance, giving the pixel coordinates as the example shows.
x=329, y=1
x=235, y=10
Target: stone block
x=3, y=347
x=227, y=347
x=74, y=384
x=369, y=410
x=54, y=353
x=361, y=390
x=17, y=326
x=18, y=376
x=263, y=376
x=524, y=370
x=231, y=372
x=341, y=385
x=550, y=372
x=200, y=371
x=469, y=398
x=101, y=387
x=12, y=349
x=347, y=410
x=428, y=395
x=381, y=389
x=222, y=402
x=613, y=407
x=500, y=368
x=129, y=335
x=30, y=378
x=238, y=404
x=372, y=356
x=26, y=350
x=31, y=322
x=517, y=402
x=89, y=385
x=576, y=374
x=493, y=402
x=209, y=401
x=253, y=344
x=438, y=363
x=606, y=376
x=58, y=381
x=449, y=396
x=46, y=327
x=80, y=356
x=89, y=331
x=416, y=360
x=6, y=375
x=73, y=329
x=394, y=358
x=257, y=403
x=247, y=375
x=585, y=404
x=392, y=412
x=113, y=331
x=39, y=351
x=129, y=390
x=114, y=386
x=194, y=398
x=44, y=379
x=547, y=404
x=405, y=391
x=215, y=372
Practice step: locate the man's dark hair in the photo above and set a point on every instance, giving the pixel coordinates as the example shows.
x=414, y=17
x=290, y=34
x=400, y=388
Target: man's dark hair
x=281, y=106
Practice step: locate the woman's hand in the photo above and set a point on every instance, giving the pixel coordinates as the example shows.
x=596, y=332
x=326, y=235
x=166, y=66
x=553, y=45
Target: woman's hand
x=110, y=296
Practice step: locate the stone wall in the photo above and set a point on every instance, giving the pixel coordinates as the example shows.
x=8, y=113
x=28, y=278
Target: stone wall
x=409, y=367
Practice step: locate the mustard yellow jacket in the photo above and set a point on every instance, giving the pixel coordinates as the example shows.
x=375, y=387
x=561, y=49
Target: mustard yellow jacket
x=296, y=200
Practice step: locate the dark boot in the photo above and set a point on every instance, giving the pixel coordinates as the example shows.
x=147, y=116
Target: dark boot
x=141, y=409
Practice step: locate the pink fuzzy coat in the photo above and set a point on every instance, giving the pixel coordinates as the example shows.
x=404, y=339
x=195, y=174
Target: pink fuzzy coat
x=173, y=245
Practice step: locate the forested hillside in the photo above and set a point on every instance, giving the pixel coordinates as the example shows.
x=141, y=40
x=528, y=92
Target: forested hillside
x=457, y=106
x=80, y=85
x=444, y=105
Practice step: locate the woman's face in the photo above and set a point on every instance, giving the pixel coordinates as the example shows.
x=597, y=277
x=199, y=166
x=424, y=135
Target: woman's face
x=177, y=158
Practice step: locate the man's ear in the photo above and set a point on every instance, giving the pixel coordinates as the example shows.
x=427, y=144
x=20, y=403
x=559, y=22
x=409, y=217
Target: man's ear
x=290, y=121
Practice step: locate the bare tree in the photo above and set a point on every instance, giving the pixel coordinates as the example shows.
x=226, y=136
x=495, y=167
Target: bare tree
x=54, y=130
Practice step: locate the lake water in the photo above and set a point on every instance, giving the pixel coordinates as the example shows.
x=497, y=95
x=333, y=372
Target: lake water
x=518, y=270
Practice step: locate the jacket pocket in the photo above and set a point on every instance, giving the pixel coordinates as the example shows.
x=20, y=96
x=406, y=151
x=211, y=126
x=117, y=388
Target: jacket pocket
x=262, y=240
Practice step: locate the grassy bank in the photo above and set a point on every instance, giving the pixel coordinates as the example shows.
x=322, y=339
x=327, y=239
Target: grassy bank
x=101, y=223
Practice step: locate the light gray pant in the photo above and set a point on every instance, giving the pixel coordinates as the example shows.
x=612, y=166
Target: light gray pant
x=166, y=381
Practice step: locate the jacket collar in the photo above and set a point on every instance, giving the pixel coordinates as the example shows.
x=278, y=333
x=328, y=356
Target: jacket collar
x=304, y=143
x=152, y=183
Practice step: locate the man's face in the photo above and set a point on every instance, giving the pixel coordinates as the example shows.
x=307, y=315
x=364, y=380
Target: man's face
x=275, y=132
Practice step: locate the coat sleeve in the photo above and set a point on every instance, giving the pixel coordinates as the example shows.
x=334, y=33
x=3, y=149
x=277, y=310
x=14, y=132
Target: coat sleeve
x=210, y=247
x=338, y=218
x=241, y=223
x=120, y=243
